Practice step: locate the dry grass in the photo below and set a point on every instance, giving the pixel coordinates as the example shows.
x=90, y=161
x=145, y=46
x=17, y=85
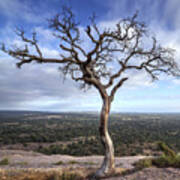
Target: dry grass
x=54, y=174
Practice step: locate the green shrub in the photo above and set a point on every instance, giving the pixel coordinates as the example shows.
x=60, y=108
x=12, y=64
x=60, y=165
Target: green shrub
x=143, y=163
x=73, y=162
x=22, y=163
x=167, y=161
x=59, y=163
x=89, y=163
x=166, y=150
x=4, y=161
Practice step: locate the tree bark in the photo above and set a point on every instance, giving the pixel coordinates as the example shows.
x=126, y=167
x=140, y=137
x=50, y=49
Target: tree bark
x=108, y=164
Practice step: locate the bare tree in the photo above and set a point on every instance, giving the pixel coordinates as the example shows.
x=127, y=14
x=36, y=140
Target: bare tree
x=125, y=47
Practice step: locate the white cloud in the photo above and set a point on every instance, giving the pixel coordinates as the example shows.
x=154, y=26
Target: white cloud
x=45, y=34
x=10, y=7
x=172, y=12
x=139, y=80
x=168, y=38
x=49, y=52
x=176, y=81
x=15, y=9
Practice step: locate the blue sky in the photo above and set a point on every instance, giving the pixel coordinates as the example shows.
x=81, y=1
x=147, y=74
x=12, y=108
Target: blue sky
x=41, y=87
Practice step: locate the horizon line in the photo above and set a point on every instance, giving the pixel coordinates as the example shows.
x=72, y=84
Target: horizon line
x=76, y=112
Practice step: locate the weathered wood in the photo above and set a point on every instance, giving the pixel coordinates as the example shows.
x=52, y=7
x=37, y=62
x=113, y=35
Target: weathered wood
x=108, y=164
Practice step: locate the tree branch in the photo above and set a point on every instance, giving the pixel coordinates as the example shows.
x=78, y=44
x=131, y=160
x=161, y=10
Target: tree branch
x=116, y=87
x=111, y=48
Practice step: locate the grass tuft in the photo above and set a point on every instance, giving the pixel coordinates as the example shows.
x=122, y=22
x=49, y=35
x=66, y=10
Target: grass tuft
x=4, y=162
x=73, y=162
x=143, y=163
x=59, y=163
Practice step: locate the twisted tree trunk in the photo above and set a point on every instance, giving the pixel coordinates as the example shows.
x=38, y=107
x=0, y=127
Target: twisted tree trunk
x=108, y=165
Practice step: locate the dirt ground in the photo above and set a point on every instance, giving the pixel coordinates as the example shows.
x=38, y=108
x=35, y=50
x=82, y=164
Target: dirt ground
x=25, y=159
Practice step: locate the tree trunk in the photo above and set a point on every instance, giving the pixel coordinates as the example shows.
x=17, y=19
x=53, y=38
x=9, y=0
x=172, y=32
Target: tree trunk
x=108, y=165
